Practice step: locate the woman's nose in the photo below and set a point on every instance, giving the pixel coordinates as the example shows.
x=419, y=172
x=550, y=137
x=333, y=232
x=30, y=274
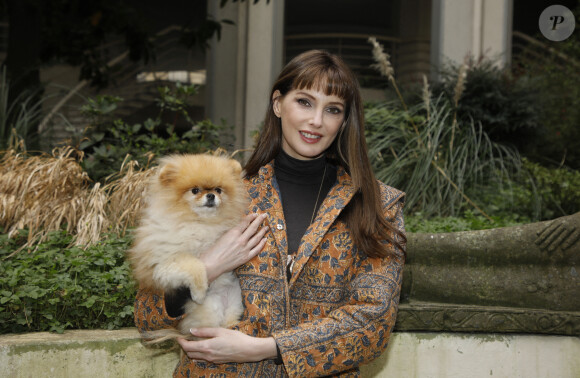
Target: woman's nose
x=316, y=119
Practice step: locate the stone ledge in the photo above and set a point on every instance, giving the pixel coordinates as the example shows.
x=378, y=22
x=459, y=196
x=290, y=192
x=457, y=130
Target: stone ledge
x=99, y=353
x=83, y=353
x=442, y=317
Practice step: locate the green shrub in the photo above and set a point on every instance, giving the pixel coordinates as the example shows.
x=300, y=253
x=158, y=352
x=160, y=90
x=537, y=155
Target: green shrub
x=537, y=193
x=441, y=164
x=469, y=221
x=58, y=287
x=109, y=140
x=507, y=106
x=559, y=138
x=438, y=158
x=558, y=190
x=554, y=67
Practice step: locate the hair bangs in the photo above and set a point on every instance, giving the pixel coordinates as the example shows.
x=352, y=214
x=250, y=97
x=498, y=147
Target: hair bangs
x=328, y=80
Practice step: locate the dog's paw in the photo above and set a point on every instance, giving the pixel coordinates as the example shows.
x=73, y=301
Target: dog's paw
x=197, y=293
x=197, y=282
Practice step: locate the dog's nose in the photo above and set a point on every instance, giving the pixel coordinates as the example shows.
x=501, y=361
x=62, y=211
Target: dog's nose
x=210, y=200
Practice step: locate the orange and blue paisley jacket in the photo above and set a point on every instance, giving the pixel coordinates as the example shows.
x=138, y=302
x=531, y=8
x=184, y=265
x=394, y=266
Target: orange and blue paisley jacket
x=335, y=313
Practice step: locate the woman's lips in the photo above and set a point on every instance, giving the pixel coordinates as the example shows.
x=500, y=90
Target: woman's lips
x=310, y=137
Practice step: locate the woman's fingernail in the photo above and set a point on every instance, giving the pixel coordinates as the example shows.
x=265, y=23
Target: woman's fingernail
x=192, y=330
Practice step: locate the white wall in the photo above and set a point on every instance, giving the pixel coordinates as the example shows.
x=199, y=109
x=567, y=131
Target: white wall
x=459, y=355
x=470, y=27
x=244, y=63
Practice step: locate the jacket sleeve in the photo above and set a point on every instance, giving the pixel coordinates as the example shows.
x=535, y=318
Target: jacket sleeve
x=150, y=311
x=358, y=331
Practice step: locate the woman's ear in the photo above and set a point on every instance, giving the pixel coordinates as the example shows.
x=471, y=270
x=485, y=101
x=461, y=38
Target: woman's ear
x=276, y=102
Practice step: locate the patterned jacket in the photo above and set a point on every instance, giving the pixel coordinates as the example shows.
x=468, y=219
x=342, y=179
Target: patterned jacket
x=336, y=312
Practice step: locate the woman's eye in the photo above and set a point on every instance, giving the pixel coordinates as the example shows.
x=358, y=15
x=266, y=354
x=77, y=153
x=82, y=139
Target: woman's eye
x=334, y=110
x=195, y=190
x=303, y=102
x=218, y=190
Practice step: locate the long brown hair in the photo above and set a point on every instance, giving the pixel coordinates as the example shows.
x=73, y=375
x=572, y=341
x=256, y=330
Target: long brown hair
x=320, y=70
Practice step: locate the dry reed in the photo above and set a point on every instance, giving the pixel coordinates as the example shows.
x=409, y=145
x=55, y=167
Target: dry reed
x=125, y=196
x=51, y=192
x=41, y=194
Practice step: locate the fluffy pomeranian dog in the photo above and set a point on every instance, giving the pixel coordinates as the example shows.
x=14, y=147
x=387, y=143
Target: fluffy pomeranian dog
x=191, y=201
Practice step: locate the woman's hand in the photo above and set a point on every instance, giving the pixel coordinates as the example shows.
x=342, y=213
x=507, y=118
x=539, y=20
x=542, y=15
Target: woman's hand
x=236, y=247
x=221, y=345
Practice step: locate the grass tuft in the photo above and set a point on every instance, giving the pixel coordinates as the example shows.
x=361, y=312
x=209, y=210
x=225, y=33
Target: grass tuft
x=51, y=192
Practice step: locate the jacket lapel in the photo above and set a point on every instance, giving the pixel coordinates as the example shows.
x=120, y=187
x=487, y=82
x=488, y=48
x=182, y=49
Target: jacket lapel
x=336, y=200
x=266, y=199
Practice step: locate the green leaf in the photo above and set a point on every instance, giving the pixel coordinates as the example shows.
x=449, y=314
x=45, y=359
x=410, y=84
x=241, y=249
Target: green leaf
x=98, y=136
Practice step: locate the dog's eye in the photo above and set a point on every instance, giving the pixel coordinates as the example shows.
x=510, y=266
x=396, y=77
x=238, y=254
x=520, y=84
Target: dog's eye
x=195, y=190
x=218, y=190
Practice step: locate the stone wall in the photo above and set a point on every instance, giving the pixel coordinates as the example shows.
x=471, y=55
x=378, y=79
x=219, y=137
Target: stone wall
x=521, y=279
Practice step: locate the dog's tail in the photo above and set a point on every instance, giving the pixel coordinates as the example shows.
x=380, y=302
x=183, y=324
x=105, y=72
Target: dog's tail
x=161, y=335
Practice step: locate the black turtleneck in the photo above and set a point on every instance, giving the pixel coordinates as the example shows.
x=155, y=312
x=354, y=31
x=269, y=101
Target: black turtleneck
x=300, y=182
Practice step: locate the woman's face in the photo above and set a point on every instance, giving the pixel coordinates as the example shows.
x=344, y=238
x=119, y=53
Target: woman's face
x=310, y=121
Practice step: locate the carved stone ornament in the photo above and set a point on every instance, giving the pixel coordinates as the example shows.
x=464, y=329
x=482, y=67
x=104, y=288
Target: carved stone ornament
x=513, y=279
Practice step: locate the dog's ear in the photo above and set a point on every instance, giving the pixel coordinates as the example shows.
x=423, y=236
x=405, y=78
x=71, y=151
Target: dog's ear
x=167, y=174
x=236, y=167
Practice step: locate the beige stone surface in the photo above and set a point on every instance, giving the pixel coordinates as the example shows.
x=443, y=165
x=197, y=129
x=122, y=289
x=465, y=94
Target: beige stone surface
x=121, y=354
x=83, y=354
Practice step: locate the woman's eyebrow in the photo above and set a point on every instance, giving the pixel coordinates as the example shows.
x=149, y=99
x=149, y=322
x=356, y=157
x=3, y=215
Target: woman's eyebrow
x=302, y=93
x=306, y=94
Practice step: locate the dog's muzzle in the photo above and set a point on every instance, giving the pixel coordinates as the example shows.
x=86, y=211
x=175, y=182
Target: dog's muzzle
x=209, y=200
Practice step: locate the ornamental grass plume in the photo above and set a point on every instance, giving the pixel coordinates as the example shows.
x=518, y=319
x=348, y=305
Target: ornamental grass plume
x=383, y=65
x=457, y=92
x=460, y=85
x=426, y=96
x=382, y=59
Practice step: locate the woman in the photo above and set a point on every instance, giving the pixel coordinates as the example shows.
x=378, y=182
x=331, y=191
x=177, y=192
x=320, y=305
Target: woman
x=321, y=278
